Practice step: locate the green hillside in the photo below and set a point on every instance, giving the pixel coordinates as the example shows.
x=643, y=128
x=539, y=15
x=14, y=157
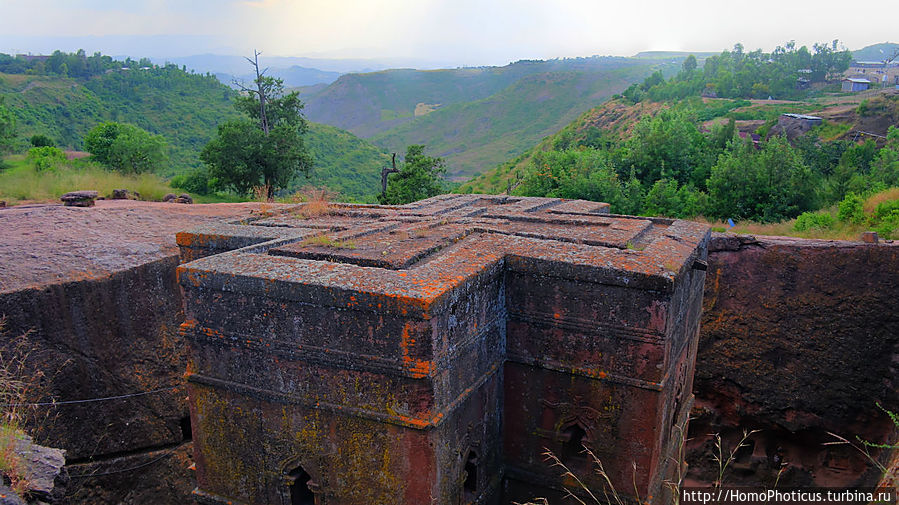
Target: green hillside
x=369, y=103
x=184, y=108
x=344, y=163
x=474, y=117
x=877, y=52
x=661, y=149
x=475, y=136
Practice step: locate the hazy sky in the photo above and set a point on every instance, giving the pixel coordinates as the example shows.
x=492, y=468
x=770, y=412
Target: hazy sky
x=463, y=32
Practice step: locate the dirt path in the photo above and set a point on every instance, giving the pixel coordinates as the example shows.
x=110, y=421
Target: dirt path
x=44, y=244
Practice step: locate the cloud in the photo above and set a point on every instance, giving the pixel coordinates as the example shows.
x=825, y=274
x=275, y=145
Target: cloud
x=467, y=31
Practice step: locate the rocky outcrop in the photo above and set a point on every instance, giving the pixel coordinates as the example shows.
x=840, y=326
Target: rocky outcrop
x=798, y=338
x=40, y=473
x=124, y=194
x=96, y=292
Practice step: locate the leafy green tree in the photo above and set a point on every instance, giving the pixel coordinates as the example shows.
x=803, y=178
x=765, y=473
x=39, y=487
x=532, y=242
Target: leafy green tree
x=767, y=185
x=419, y=177
x=851, y=173
x=885, y=167
x=663, y=199
x=7, y=127
x=195, y=181
x=242, y=157
x=41, y=140
x=851, y=209
x=126, y=147
x=689, y=64
x=667, y=146
x=267, y=149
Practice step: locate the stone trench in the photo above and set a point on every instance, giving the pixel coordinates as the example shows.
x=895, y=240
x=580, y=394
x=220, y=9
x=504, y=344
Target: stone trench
x=798, y=338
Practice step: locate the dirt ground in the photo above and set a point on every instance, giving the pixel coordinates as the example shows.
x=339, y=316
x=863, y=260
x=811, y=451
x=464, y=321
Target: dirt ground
x=45, y=244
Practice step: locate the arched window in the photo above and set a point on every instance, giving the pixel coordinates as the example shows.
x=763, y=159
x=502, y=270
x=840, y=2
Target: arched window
x=573, y=443
x=298, y=483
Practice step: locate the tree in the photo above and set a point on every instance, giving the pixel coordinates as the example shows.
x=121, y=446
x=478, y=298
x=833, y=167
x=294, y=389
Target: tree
x=689, y=64
x=7, y=127
x=420, y=177
x=41, y=140
x=242, y=157
x=266, y=149
x=126, y=147
x=667, y=146
x=767, y=185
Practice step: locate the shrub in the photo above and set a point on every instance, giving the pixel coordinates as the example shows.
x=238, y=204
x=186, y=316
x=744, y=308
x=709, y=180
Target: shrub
x=852, y=209
x=46, y=158
x=887, y=217
x=126, y=147
x=196, y=181
x=810, y=220
x=41, y=140
x=885, y=209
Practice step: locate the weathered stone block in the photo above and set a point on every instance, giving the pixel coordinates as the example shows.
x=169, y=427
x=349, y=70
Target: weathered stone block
x=429, y=352
x=79, y=198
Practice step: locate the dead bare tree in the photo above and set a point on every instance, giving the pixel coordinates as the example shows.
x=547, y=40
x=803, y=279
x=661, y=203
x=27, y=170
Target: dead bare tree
x=260, y=90
x=385, y=172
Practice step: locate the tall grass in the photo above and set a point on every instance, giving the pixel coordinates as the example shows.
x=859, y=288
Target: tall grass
x=18, y=386
x=840, y=230
x=22, y=182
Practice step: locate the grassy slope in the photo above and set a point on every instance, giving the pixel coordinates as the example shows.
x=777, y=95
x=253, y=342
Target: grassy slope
x=615, y=116
x=344, y=163
x=366, y=104
x=876, y=52
x=183, y=108
x=21, y=183
x=840, y=231
x=374, y=102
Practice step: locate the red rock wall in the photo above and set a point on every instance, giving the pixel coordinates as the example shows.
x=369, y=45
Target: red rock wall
x=798, y=338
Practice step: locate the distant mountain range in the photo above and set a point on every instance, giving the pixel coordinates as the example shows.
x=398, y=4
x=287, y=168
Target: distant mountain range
x=293, y=77
x=295, y=71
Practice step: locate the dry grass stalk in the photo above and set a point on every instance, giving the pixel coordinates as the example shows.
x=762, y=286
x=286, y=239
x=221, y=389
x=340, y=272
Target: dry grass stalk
x=316, y=201
x=724, y=459
x=864, y=447
x=261, y=195
x=675, y=486
x=19, y=386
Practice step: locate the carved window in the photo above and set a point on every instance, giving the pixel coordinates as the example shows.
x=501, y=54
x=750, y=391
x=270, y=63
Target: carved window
x=572, y=439
x=300, y=484
x=470, y=475
x=186, y=432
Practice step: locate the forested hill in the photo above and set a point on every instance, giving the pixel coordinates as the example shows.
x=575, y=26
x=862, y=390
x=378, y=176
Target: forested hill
x=185, y=108
x=660, y=148
x=475, y=117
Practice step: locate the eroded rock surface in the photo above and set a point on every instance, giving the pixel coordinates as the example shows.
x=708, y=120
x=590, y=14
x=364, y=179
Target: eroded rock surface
x=798, y=338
